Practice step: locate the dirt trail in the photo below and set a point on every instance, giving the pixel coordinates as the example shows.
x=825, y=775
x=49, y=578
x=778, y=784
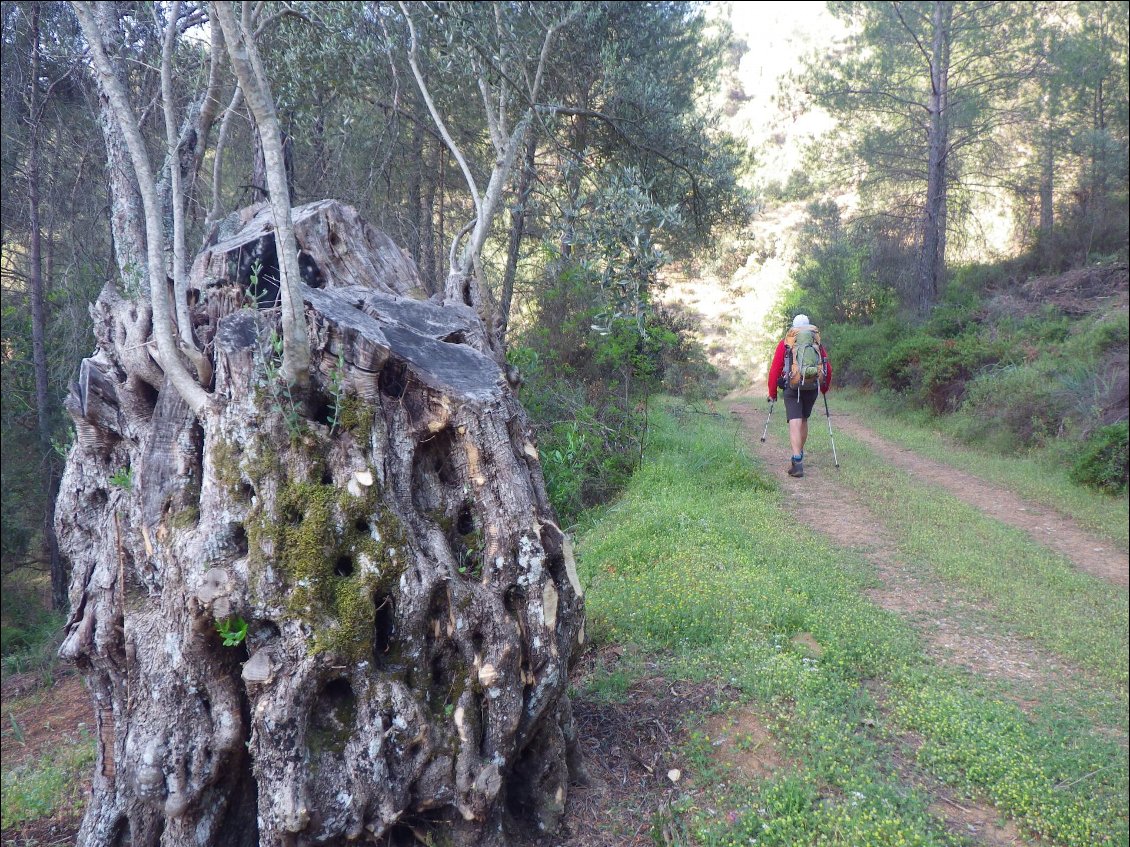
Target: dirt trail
x=945, y=623
x=1097, y=557
x=949, y=625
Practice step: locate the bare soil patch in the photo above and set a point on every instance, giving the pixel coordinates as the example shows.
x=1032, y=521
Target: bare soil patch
x=975, y=820
x=47, y=832
x=41, y=717
x=743, y=741
x=629, y=747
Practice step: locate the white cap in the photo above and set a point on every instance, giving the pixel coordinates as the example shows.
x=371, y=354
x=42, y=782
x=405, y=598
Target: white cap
x=801, y=320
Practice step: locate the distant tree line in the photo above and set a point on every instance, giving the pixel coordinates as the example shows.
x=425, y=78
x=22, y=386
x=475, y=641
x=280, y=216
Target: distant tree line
x=951, y=112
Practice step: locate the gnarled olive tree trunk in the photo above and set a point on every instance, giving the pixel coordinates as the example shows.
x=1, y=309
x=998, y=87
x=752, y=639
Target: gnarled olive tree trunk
x=411, y=607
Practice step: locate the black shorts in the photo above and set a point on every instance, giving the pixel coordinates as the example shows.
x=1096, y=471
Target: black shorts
x=799, y=407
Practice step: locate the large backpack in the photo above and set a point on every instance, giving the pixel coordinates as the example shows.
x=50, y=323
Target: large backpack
x=805, y=368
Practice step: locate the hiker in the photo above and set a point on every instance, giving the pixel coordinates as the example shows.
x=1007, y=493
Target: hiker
x=801, y=370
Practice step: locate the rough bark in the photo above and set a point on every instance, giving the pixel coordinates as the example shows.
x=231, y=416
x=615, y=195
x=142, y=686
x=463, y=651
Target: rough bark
x=415, y=205
x=43, y=411
x=1049, y=116
x=441, y=237
x=259, y=182
x=35, y=250
x=411, y=606
x=430, y=266
x=578, y=148
x=1047, y=197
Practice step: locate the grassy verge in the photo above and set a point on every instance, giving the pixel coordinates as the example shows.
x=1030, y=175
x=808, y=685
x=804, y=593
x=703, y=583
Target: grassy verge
x=1041, y=476
x=698, y=563
x=48, y=786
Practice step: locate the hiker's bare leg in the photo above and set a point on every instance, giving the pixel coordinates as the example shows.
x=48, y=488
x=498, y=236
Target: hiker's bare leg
x=798, y=435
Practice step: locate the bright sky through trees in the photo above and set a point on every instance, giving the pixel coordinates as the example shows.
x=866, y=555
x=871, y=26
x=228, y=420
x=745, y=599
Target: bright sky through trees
x=778, y=35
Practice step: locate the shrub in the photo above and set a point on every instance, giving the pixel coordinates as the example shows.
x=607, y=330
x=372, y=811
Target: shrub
x=974, y=280
x=1047, y=327
x=672, y=356
x=586, y=378
x=950, y=320
x=933, y=372
x=1017, y=406
x=1103, y=464
x=1100, y=337
x=902, y=367
x=589, y=435
x=857, y=351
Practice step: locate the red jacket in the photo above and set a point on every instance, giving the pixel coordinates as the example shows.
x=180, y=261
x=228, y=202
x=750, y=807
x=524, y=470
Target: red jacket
x=779, y=365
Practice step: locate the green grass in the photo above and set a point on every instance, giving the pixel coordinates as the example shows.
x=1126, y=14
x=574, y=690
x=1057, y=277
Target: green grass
x=1042, y=476
x=700, y=564
x=44, y=787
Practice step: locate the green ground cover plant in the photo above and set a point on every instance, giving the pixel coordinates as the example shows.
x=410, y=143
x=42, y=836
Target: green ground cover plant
x=701, y=564
x=46, y=786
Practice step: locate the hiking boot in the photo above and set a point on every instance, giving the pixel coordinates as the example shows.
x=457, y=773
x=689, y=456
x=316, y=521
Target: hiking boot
x=796, y=468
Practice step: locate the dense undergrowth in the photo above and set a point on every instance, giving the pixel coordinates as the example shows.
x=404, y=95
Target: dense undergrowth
x=701, y=564
x=586, y=388
x=31, y=632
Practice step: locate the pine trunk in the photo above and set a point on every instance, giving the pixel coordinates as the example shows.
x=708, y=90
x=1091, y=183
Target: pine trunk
x=411, y=607
x=517, y=231
x=37, y=292
x=931, y=260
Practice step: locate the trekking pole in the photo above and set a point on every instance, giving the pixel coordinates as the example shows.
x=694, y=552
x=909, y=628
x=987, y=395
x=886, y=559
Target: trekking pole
x=828, y=415
x=765, y=431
